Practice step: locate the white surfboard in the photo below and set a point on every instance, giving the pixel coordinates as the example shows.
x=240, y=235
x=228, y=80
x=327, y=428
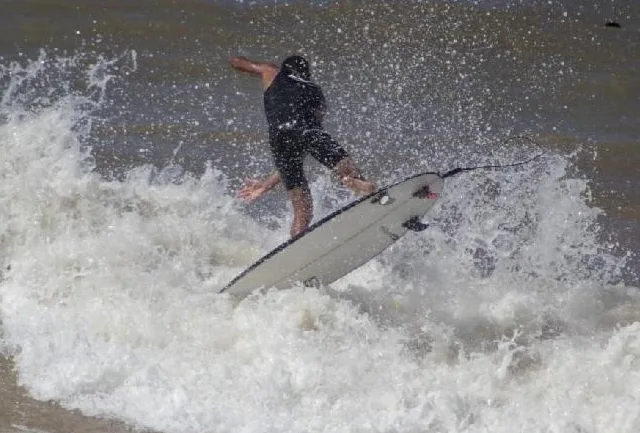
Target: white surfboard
x=345, y=239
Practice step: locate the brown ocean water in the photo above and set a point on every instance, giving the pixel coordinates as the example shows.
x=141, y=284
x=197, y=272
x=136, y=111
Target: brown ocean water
x=444, y=81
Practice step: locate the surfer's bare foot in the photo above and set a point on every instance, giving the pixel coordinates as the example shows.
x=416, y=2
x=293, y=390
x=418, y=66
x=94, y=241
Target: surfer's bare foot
x=350, y=177
x=358, y=186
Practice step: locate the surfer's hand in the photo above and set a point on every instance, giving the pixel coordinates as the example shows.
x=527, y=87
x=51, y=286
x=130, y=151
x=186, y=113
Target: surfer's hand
x=252, y=190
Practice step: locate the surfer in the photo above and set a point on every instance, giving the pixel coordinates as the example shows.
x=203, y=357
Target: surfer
x=294, y=107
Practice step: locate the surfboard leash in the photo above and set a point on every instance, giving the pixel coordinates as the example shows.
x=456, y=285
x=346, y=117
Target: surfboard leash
x=459, y=170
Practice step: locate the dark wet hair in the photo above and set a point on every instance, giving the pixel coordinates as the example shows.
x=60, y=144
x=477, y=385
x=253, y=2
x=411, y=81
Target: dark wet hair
x=297, y=66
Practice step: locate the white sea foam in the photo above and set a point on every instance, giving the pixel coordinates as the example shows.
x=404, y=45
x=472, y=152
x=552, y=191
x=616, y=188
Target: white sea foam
x=506, y=315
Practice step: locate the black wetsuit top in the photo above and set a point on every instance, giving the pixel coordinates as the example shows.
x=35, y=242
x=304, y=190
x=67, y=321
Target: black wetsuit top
x=292, y=103
x=292, y=107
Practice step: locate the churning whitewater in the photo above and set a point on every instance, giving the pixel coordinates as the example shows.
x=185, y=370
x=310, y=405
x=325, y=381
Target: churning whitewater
x=510, y=313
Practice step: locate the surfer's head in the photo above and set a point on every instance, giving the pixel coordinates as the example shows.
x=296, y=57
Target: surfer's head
x=297, y=66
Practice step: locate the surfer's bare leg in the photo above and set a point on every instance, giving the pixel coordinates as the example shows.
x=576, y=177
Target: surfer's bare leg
x=302, y=209
x=351, y=177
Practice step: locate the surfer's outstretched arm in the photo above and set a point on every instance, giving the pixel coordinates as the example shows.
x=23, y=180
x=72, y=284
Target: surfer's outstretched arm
x=266, y=71
x=253, y=189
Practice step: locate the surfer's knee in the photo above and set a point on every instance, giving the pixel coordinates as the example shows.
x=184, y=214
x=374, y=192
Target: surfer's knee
x=346, y=168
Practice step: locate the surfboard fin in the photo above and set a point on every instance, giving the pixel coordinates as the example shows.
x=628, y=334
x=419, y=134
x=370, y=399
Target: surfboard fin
x=415, y=225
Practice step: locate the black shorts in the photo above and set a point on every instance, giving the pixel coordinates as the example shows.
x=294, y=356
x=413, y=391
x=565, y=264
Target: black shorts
x=289, y=147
